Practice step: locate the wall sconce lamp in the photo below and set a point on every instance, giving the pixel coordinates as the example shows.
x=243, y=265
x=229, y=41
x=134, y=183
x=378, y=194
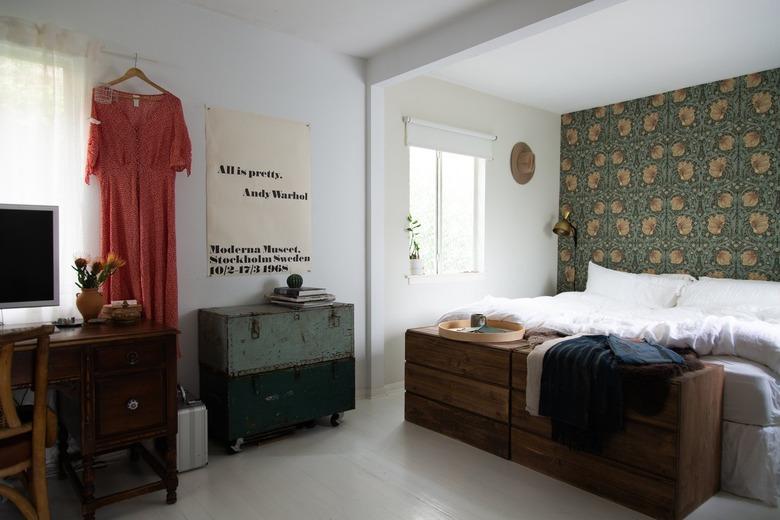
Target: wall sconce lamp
x=565, y=228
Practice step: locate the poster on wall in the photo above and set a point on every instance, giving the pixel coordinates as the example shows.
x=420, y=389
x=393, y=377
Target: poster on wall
x=258, y=206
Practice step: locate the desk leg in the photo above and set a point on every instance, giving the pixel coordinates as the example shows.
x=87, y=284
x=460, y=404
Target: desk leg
x=88, y=490
x=171, y=474
x=62, y=444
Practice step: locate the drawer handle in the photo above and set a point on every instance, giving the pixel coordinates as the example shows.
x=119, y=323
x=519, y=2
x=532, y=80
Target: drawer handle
x=255, y=329
x=132, y=358
x=132, y=404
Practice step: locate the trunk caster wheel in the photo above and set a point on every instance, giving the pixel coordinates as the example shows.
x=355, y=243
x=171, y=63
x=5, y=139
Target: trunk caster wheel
x=334, y=419
x=234, y=448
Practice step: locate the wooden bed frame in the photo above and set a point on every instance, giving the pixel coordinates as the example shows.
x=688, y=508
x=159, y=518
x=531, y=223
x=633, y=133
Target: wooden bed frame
x=664, y=465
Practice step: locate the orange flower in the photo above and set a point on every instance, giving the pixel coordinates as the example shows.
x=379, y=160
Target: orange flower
x=759, y=222
x=617, y=207
x=757, y=276
x=651, y=122
x=723, y=257
x=685, y=170
x=566, y=165
x=684, y=225
x=600, y=112
x=753, y=80
x=725, y=200
x=598, y=256
x=571, y=136
x=749, y=258
x=717, y=167
x=649, y=174
x=676, y=256
x=599, y=208
x=623, y=177
x=718, y=109
x=594, y=132
x=600, y=159
x=649, y=225
x=565, y=255
x=623, y=226
x=567, y=119
x=751, y=139
x=616, y=255
x=654, y=256
x=750, y=199
x=656, y=204
x=618, y=108
x=687, y=115
x=656, y=151
x=726, y=143
x=678, y=149
x=624, y=127
x=569, y=273
x=679, y=95
x=657, y=100
x=617, y=157
x=762, y=101
x=678, y=202
x=592, y=227
x=727, y=85
x=571, y=182
x=593, y=180
x=759, y=162
x=715, y=224
x=81, y=262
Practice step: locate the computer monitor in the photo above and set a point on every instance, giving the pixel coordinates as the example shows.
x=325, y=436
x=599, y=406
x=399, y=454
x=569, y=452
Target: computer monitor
x=29, y=256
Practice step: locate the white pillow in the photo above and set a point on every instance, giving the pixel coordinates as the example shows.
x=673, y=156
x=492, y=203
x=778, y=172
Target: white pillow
x=648, y=290
x=725, y=292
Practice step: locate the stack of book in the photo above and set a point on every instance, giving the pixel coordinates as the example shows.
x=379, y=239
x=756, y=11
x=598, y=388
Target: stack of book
x=301, y=297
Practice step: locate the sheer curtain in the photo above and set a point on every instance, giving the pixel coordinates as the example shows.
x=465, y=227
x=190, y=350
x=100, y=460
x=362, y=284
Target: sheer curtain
x=45, y=79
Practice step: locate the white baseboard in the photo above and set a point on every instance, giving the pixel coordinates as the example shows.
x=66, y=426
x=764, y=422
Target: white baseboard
x=372, y=393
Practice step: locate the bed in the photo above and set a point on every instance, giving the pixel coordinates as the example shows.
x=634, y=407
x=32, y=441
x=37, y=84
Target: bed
x=734, y=323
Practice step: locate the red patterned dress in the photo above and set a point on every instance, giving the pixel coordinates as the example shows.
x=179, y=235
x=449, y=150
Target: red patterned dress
x=136, y=146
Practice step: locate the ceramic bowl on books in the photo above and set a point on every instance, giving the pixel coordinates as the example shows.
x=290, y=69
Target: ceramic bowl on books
x=461, y=330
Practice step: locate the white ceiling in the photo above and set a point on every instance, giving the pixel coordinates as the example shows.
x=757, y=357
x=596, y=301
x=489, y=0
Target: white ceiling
x=630, y=50
x=355, y=27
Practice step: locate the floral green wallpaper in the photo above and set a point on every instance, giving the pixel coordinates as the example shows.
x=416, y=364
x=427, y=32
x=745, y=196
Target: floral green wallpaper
x=685, y=181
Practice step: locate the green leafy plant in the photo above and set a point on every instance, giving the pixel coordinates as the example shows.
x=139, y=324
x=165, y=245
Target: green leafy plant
x=412, y=227
x=95, y=275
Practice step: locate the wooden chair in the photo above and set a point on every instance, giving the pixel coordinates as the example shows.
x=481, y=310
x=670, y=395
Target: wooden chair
x=23, y=444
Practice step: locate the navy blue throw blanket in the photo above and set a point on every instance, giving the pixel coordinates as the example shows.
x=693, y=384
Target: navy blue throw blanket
x=582, y=390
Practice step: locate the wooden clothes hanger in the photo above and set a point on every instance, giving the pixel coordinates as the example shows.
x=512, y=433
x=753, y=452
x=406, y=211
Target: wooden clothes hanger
x=135, y=72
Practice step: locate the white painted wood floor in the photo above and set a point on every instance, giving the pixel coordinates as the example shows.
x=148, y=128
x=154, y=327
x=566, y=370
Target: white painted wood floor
x=372, y=467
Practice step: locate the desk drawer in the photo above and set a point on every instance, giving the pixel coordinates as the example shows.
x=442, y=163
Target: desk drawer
x=137, y=355
x=129, y=403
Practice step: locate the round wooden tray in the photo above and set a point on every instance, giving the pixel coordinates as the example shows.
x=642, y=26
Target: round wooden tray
x=516, y=333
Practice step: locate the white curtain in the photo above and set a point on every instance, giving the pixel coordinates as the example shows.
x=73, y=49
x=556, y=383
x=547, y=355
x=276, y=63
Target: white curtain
x=45, y=80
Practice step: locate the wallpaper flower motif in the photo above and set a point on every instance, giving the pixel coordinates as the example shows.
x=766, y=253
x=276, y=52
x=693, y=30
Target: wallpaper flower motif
x=683, y=181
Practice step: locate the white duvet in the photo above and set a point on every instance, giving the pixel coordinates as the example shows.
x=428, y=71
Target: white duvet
x=749, y=332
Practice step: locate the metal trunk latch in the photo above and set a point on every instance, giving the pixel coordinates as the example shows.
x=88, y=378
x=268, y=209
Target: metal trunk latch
x=334, y=321
x=255, y=329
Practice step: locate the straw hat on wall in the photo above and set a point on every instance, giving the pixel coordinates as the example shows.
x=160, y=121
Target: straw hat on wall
x=522, y=163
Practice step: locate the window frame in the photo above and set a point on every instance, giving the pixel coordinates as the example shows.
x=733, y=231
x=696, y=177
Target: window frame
x=480, y=165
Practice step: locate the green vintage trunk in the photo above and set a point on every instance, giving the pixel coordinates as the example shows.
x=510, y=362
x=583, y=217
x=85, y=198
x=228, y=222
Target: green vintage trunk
x=257, y=338
x=246, y=406
x=264, y=368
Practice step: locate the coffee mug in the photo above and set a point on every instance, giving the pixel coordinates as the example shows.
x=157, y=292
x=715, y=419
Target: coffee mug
x=478, y=320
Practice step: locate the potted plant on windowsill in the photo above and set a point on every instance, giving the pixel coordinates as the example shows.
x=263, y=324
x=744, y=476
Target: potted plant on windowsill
x=415, y=262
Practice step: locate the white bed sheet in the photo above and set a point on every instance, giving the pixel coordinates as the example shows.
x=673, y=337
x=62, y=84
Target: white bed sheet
x=750, y=333
x=751, y=392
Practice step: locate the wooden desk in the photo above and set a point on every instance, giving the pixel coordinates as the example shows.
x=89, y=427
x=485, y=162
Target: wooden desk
x=116, y=387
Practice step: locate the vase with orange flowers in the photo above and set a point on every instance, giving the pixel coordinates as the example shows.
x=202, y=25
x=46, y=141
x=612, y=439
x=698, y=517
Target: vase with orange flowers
x=90, y=277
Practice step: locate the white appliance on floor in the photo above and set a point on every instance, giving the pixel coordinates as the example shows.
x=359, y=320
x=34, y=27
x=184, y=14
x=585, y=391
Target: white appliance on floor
x=192, y=447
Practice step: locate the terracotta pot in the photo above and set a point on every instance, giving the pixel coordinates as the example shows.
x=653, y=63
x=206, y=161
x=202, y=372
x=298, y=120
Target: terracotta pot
x=89, y=303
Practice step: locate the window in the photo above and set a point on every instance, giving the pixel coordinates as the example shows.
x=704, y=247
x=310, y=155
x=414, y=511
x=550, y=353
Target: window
x=447, y=196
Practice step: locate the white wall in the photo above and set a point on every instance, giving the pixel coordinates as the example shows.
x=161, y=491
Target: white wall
x=206, y=58
x=520, y=248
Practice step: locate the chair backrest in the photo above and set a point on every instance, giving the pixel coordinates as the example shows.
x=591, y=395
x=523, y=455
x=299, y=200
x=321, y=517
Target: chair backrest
x=10, y=424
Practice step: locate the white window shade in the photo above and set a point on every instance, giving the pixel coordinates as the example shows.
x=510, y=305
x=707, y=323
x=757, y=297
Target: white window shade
x=445, y=138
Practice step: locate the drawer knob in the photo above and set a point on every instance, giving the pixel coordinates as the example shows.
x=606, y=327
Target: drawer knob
x=132, y=404
x=132, y=358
